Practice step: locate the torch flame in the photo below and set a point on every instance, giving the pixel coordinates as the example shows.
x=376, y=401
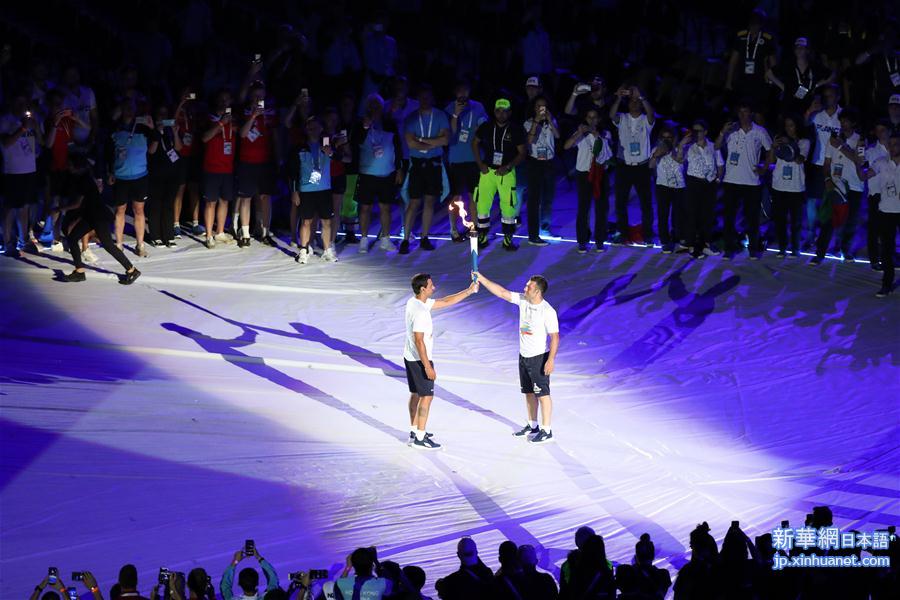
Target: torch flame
x=461, y=210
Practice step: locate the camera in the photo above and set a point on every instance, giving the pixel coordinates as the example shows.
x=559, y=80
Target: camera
x=77, y=575
x=249, y=547
x=164, y=575
x=52, y=575
x=72, y=593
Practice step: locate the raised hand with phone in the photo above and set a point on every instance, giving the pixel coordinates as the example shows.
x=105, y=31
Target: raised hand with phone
x=248, y=578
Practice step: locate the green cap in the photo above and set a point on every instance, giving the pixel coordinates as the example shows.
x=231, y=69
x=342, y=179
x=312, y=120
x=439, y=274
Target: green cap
x=502, y=103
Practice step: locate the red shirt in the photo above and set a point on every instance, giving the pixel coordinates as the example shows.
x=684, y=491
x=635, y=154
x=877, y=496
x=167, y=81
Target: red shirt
x=184, y=128
x=256, y=148
x=59, y=153
x=215, y=159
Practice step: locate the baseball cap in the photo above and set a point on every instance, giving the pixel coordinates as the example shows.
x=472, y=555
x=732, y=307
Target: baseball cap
x=801, y=41
x=532, y=82
x=502, y=103
x=895, y=99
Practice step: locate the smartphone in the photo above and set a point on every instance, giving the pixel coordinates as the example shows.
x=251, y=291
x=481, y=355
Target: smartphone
x=27, y=114
x=318, y=573
x=785, y=525
x=582, y=88
x=73, y=593
x=192, y=96
x=249, y=547
x=296, y=576
x=326, y=141
x=736, y=524
x=77, y=575
x=168, y=122
x=228, y=110
x=52, y=575
x=343, y=133
x=163, y=578
x=261, y=104
x=304, y=93
x=257, y=58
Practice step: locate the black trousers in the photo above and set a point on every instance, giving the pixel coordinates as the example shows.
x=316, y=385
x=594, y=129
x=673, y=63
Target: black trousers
x=82, y=227
x=889, y=223
x=788, y=205
x=541, y=189
x=601, y=209
x=873, y=229
x=638, y=177
x=847, y=230
x=700, y=211
x=669, y=202
x=750, y=196
x=161, y=206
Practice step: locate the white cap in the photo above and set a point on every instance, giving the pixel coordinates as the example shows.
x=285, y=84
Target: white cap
x=533, y=82
x=895, y=99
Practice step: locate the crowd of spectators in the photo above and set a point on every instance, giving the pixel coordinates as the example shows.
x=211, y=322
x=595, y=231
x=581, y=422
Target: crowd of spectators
x=737, y=126
x=741, y=569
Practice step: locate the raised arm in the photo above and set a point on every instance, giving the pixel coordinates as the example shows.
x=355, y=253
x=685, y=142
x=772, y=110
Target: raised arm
x=455, y=298
x=493, y=288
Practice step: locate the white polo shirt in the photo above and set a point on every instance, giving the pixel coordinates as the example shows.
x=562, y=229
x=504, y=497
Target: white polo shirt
x=742, y=154
x=789, y=176
x=873, y=153
x=703, y=162
x=536, y=322
x=825, y=125
x=81, y=104
x=585, y=154
x=842, y=168
x=634, y=138
x=544, y=146
x=418, y=320
x=669, y=172
x=889, y=180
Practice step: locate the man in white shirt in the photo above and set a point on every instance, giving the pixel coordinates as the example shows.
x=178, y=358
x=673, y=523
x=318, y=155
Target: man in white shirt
x=633, y=169
x=81, y=100
x=824, y=117
x=417, y=354
x=888, y=173
x=537, y=321
x=744, y=143
x=878, y=149
x=20, y=139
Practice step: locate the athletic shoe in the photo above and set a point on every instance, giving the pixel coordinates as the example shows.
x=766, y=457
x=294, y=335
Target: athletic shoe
x=668, y=248
x=599, y=248
x=425, y=444
x=329, y=255
x=74, y=276
x=269, y=240
x=794, y=254
x=508, y=244
x=412, y=436
x=883, y=292
x=363, y=246
x=619, y=240
x=404, y=247
x=526, y=431
x=387, y=245
x=542, y=437
x=350, y=237
x=177, y=231
x=582, y=248
x=728, y=256
x=457, y=238
x=89, y=257
x=781, y=255
x=755, y=255
x=158, y=243
x=536, y=241
x=56, y=246
x=210, y=243
x=482, y=239
x=699, y=254
x=680, y=248
x=198, y=229
x=849, y=258
x=425, y=244
x=130, y=278
x=12, y=252
x=816, y=260
x=711, y=251
x=224, y=238
x=303, y=256
x=141, y=251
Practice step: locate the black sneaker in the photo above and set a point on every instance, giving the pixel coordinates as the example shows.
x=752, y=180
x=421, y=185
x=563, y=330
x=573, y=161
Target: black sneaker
x=582, y=248
x=350, y=237
x=269, y=240
x=876, y=266
x=425, y=444
x=457, y=238
x=412, y=436
x=508, y=244
x=244, y=243
x=130, y=278
x=75, y=276
x=884, y=292
x=483, y=239
x=527, y=430
x=849, y=257
x=425, y=244
x=668, y=248
x=542, y=437
x=404, y=247
x=536, y=241
x=816, y=260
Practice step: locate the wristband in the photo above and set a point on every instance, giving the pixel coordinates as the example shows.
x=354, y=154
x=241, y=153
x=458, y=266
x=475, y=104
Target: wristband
x=38, y=588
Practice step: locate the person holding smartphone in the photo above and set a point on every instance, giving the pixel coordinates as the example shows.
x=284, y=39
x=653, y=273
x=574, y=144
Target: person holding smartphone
x=166, y=174
x=248, y=578
x=667, y=160
x=705, y=168
x=59, y=128
x=789, y=184
x=466, y=116
x=594, y=154
x=218, y=170
x=20, y=133
x=542, y=132
x=311, y=190
x=186, y=124
x=257, y=158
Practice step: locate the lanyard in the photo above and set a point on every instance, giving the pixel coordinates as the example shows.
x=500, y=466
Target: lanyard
x=887, y=63
x=503, y=135
x=800, y=81
x=422, y=125
x=755, y=47
x=314, y=150
x=633, y=126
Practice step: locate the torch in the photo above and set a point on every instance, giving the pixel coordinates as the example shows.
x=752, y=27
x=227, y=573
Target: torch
x=473, y=235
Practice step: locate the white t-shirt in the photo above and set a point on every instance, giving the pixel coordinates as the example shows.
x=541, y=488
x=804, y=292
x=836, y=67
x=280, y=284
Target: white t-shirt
x=536, y=322
x=889, y=179
x=842, y=168
x=742, y=154
x=544, y=146
x=634, y=138
x=703, y=162
x=81, y=104
x=873, y=153
x=418, y=319
x=585, y=148
x=790, y=176
x=669, y=172
x=825, y=125
x=20, y=157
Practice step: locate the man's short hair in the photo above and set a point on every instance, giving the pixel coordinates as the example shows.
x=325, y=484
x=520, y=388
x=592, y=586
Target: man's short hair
x=248, y=580
x=832, y=86
x=744, y=102
x=128, y=577
x=415, y=575
x=419, y=281
x=196, y=581
x=540, y=282
x=50, y=596
x=363, y=562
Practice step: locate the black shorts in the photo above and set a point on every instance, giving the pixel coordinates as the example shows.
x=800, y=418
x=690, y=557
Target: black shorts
x=316, y=204
x=338, y=184
x=218, y=186
x=531, y=375
x=19, y=190
x=130, y=190
x=255, y=179
x=815, y=181
x=371, y=189
x=463, y=178
x=193, y=169
x=425, y=177
x=415, y=377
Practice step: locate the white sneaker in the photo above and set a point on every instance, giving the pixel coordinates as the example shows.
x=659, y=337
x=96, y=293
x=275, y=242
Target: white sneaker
x=141, y=251
x=387, y=245
x=210, y=242
x=303, y=256
x=224, y=238
x=89, y=257
x=56, y=246
x=329, y=255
